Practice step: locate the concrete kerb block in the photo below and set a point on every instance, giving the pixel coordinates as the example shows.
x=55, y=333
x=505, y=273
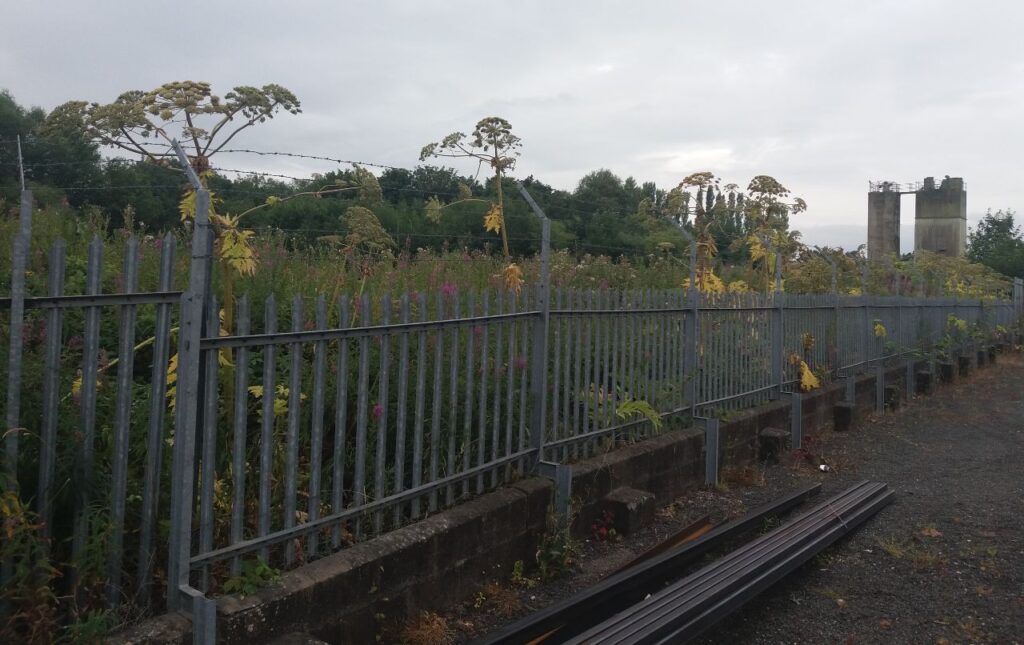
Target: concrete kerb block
x=630, y=509
x=773, y=442
x=925, y=382
x=964, y=366
x=948, y=371
x=893, y=397
x=844, y=414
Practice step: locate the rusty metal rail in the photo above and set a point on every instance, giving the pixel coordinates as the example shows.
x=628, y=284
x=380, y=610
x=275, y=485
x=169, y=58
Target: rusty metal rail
x=689, y=533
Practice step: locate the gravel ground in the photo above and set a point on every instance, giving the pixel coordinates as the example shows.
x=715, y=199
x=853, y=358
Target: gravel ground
x=943, y=564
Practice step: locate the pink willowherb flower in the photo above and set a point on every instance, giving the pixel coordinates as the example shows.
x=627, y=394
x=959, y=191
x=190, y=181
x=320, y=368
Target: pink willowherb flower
x=378, y=411
x=448, y=289
x=520, y=362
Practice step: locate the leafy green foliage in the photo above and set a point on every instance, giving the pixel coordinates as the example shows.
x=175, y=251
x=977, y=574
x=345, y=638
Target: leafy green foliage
x=255, y=575
x=558, y=550
x=638, y=407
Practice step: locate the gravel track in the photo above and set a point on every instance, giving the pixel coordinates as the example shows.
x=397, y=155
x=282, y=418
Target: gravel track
x=945, y=562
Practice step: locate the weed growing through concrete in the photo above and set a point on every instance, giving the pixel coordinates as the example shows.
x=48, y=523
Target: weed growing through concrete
x=558, y=549
x=519, y=578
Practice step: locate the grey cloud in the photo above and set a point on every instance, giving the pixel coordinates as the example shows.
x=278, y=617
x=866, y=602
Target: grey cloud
x=824, y=96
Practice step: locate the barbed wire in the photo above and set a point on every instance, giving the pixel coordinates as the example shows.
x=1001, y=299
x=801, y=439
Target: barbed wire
x=575, y=207
x=297, y=155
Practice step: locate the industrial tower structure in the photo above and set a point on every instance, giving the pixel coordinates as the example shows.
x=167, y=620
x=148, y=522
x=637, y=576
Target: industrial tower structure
x=940, y=216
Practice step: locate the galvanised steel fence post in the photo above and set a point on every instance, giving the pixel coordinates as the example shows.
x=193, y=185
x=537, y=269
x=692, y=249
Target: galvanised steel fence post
x=1018, y=287
x=712, y=446
x=836, y=344
x=19, y=264
x=778, y=313
x=12, y=410
x=180, y=595
x=691, y=328
x=867, y=328
x=541, y=327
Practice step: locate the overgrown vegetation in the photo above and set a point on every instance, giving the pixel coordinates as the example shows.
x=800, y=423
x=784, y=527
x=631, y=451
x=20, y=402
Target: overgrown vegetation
x=348, y=232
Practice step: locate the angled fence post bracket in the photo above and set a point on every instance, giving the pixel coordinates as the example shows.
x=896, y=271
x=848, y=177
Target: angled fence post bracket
x=712, y=448
x=561, y=475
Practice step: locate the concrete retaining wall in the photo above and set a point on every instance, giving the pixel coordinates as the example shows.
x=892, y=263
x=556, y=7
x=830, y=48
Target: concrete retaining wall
x=350, y=595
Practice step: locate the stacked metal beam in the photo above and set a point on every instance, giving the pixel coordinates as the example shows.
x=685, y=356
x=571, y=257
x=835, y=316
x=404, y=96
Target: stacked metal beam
x=686, y=608
x=557, y=623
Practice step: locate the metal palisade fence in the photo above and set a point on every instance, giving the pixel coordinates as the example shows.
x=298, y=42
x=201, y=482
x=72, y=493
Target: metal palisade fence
x=312, y=424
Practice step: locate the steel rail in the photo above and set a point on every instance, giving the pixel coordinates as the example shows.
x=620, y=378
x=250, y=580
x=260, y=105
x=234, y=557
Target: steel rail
x=629, y=586
x=668, y=601
x=737, y=598
x=669, y=606
x=679, y=598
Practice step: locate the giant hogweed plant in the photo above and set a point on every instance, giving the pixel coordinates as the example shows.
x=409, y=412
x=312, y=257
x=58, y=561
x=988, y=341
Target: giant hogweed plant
x=493, y=143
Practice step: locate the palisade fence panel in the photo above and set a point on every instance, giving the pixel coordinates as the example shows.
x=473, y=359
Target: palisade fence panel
x=367, y=414
x=809, y=334
x=608, y=348
x=86, y=371
x=323, y=422
x=734, y=369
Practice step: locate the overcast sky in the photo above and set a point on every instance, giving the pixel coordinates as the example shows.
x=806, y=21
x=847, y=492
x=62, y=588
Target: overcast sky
x=821, y=95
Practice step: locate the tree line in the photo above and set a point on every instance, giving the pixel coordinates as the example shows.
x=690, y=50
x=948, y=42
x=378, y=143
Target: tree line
x=604, y=215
